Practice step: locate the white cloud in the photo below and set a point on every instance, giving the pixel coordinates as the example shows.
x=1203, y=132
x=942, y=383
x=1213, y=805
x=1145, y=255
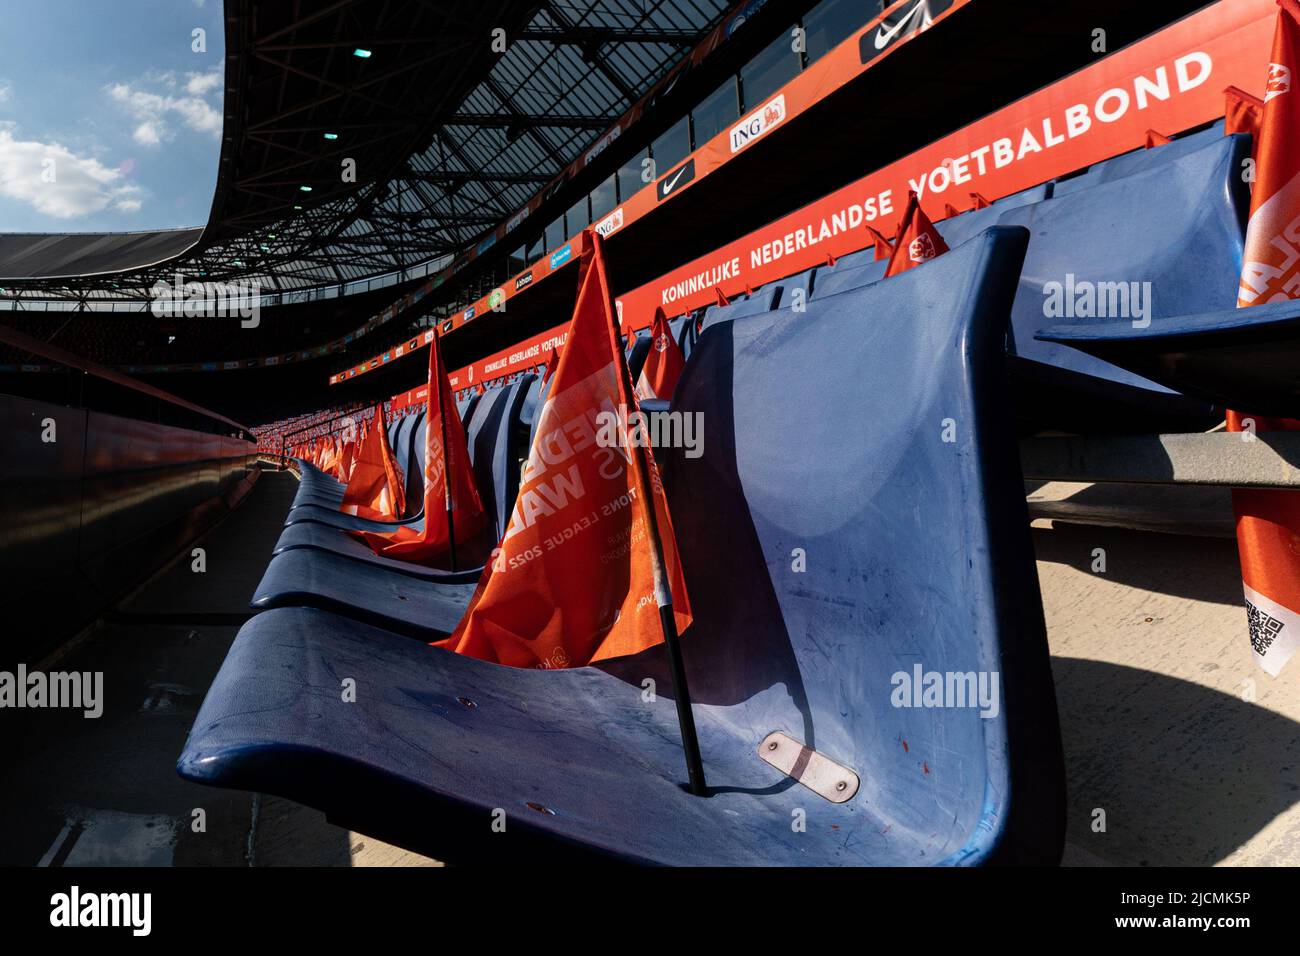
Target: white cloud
x=5, y=91
x=200, y=84
x=155, y=112
x=147, y=134
x=81, y=185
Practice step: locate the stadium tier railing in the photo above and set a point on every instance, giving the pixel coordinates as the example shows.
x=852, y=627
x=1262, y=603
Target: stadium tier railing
x=105, y=479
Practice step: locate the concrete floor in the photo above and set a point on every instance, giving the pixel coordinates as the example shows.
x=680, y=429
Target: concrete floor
x=1169, y=726
x=1190, y=750
x=105, y=792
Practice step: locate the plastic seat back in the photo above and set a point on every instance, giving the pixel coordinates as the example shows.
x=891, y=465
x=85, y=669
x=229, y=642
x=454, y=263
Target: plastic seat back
x=1164, y=240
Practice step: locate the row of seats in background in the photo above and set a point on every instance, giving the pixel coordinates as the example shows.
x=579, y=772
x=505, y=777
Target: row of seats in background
x=1167, y=222
x=1092, y=226
x=822, y=439
x=303, y=429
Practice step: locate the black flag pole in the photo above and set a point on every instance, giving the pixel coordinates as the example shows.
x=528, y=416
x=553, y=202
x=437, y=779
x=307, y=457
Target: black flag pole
x=446, y=454
x=663, y=593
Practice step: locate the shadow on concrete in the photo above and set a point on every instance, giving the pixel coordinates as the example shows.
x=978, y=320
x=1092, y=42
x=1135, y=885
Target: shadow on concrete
x=1206, y=569
x=1185, y=774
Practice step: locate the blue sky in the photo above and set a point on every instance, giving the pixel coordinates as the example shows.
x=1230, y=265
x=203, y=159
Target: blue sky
x=109, y=98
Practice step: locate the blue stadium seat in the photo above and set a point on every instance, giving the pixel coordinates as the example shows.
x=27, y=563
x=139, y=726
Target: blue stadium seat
x=853, y=260
x=763, y=300
x=1175, y=222
x=802, y=282
x=686, y=332
x=329, y=537
x=917, y=559
x=314, y=506
x=532, y=410
x=344, y=575
x=969, y=224
x=637, y=355
x=496, y=438
x=465, y=407
x=834, y=281
x=426, y=605
x=1139, y=161
x=414, y=466
x=1246, y=359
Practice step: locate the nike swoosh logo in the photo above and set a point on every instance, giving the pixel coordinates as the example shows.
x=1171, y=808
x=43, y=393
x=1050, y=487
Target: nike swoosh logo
x=672, y=183
x=884, y=37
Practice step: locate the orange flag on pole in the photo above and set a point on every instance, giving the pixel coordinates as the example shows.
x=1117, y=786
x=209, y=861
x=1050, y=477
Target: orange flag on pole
x=451, y=498
x=1242, y=114
x=882, y=248
x=376, y=489
x=329, y=455
x=1268, y=521
x=344, y=469
x=917, y=240
x=664, y=365
x=578, y=576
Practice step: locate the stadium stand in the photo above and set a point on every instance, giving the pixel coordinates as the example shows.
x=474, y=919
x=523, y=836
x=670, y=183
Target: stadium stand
x=266, y=723
x=878, y=456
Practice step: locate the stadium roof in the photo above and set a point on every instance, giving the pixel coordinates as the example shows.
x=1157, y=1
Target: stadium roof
x=449, y=137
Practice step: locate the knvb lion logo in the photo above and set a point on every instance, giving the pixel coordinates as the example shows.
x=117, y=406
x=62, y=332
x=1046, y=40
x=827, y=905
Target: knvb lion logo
x=1279, y=81
x=921, y=249
x=661, y=343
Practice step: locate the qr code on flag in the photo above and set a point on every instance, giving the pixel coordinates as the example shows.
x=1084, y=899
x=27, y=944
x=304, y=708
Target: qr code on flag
x=1264, y=629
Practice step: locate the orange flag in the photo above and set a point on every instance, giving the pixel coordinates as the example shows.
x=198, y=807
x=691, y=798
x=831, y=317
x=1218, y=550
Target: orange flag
x=1242, y=114
x=551, y=361
x=375, y=489
x=344, y=471
x=883, y=248
x=664, y=365
x=574, y=579
x=328, y=454
x=917, y=240
x=1155, y=139
x=1268, y=521
x=445, y=453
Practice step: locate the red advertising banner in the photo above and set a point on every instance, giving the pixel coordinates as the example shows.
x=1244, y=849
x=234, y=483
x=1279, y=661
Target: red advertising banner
x=1171, y=81
x=895, y=26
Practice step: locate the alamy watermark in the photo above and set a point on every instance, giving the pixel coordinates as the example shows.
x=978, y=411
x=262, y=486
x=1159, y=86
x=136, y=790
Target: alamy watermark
x=958, y=689
x=1084, y=299
x=133, y=911
x=57, y=689
x=638, y=429
x=208, y=300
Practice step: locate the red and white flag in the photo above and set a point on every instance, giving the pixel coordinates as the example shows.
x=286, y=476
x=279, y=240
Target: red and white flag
x=575, y=577
x=917, y=240
x=1268, y=521
x=664, y=363
x=445, y=454
x=376, y=488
